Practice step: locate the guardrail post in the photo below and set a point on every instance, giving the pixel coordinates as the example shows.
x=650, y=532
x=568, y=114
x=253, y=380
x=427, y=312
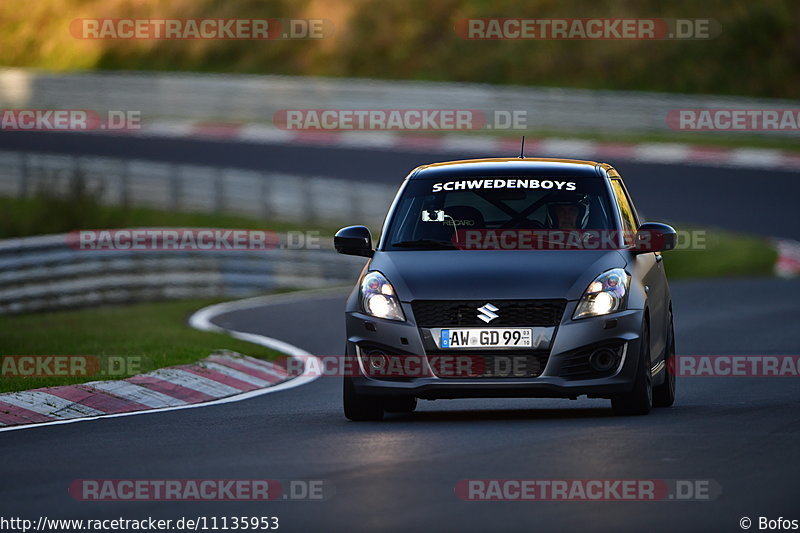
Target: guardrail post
x=307, y=184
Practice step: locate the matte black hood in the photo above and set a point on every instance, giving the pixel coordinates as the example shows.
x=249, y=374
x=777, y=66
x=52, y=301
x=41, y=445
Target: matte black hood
x=500, y=274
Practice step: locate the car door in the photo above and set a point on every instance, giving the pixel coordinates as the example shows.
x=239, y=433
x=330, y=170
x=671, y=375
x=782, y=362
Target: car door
x=649, y=268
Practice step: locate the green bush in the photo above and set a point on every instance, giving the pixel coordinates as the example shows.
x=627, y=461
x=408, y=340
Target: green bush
x=756, y=53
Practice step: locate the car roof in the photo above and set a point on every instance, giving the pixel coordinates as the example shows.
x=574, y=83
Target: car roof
x=509, y=166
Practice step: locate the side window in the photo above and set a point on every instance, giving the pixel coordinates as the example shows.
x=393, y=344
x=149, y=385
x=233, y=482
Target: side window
x=626, y=210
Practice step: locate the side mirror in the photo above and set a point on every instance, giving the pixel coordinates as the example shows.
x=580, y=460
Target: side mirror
x=655, y=237
x=353, y=240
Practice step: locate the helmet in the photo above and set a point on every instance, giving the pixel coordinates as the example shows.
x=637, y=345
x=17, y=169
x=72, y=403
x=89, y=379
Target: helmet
x=579, y=201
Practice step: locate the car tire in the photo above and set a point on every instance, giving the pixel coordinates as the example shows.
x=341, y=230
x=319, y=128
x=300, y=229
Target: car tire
x=360, y=407
x=400, y=404
x=664, y=394
x=639, y=400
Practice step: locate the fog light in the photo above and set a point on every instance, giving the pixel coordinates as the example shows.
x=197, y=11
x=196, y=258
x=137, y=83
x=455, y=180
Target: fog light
x=603, y=359
x=377, y=362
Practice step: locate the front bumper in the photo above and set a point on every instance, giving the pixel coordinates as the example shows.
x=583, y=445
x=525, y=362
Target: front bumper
x=558, y=379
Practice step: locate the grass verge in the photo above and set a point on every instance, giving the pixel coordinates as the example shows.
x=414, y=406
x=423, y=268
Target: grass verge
x=149, y=335
x=723, y=254
x=41, y=215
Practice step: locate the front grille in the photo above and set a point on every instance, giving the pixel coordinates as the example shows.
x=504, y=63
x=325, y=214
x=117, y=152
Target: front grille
x=484, y=364
x=443, y=313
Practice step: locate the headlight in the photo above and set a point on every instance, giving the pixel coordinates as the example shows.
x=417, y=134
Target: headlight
x=379, y=299
x=606, y=294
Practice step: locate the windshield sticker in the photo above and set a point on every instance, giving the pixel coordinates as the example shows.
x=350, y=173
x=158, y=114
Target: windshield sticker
x=438, y=215
x=504, y=184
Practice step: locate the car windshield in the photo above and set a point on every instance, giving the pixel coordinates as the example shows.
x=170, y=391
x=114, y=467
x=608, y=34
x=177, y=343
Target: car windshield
x=435, y=214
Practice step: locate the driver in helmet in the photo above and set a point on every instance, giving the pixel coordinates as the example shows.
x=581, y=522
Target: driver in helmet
x=567, y=211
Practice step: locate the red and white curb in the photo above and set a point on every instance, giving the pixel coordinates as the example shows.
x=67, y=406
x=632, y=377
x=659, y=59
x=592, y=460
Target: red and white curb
x=218, y=379
x=672, y=153
x=788, y=262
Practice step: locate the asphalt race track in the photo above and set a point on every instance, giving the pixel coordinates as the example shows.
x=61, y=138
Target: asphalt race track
x=744, y=199
x=400, y=474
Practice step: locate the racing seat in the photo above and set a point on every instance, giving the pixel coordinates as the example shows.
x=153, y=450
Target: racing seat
x=464, y=216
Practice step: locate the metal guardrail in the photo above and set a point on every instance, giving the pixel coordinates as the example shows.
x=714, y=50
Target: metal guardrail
x=253, y=98
x=45, y=273
x=268, y=195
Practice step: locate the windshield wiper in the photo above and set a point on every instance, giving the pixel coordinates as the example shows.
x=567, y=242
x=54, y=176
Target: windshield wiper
x=424, y=243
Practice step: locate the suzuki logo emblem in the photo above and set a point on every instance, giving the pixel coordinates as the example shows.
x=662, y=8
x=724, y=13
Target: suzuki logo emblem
x=487, y=313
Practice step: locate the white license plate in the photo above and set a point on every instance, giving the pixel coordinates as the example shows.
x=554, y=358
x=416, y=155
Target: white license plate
x=485, y=338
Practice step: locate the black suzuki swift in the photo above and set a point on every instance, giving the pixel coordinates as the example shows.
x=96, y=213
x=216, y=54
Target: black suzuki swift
x=510, y=278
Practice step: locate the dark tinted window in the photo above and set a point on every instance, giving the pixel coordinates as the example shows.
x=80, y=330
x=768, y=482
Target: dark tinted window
x=429, y=210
